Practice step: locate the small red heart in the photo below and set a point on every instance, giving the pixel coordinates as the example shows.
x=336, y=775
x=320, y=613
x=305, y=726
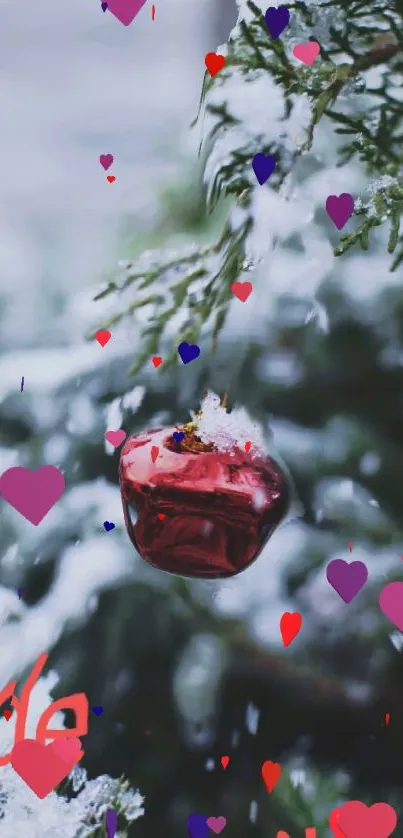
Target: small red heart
x=224, y=761
x=214, y=63
x=271, y=772
x=290, y=625
x=154, y=453
x=161, y=516
x=7, y=714
x=103, y=336
x=157, y=360
x=248, y=446
x=242, y=290
x=110, y=178
x=334, y=824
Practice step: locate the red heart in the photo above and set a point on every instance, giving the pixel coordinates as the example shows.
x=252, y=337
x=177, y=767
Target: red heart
x=7, y=714
x=247, y=446
x=357, y=820
x=224, y=761
x=290, y=625
x=43, y=767
x=154, y=453
x=157, y=360
x=161, y=516
x=103, y=336
x=334, y=824
x=242, y=290
x=214, y=63
x=271, y=772
x=110, y=178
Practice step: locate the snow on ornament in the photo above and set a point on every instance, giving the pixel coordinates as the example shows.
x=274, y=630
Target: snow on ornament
x=206, y=486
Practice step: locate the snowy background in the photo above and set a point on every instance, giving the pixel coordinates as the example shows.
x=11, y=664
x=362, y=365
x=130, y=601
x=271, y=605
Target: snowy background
x=187, y=672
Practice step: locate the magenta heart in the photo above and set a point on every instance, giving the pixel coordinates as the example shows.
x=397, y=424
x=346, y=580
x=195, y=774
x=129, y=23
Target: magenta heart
x=340, y=208
x=125, y=10
x=106, y=160
x=217, y=824
x=115, y=437
x=391, y=603
x=32, y=494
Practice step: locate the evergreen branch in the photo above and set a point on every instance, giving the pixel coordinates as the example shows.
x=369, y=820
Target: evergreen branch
x=375, y=137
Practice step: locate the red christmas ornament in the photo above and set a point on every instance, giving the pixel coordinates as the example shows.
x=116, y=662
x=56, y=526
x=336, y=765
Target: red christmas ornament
x=219, y=507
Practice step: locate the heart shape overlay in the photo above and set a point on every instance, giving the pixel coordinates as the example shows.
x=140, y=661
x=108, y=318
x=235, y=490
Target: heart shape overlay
x=188, y=352
x=277, y=20
x=109, y=526
x=271, y=773
x=290, y=625
x=43, y=767
x=307, y=53
x=125, y=10
x=103, y=336
x=217, y=824
x=115, y=437
x=214, y=63
x=98, y=710
x=197, y=826
x=242, y=290
x=263, y=166
x=334, y=824
x=340, y=208
x=357, y=820
x=106, y=160
x=32, y=494
x=178, y=436
x=346, y=579
x=391, y=603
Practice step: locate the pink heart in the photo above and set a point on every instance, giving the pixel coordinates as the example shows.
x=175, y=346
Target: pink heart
x=391, y=602
x=357, y=820
x=115, y=437
x=217, y=824
x=66, y=748
x=43, y=767
x=32, y=494
x=307, y=52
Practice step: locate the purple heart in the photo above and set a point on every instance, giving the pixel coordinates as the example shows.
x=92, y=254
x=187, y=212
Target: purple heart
x=178, y=436
x=277, y=20
x=111, y=823
x=347, y=579
x=106, y=160
x=104, y=6
x=97, y=710
x=263, y=166
x=197, y=826
x=340, y=208
x=109, y=526
x=188, y=351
